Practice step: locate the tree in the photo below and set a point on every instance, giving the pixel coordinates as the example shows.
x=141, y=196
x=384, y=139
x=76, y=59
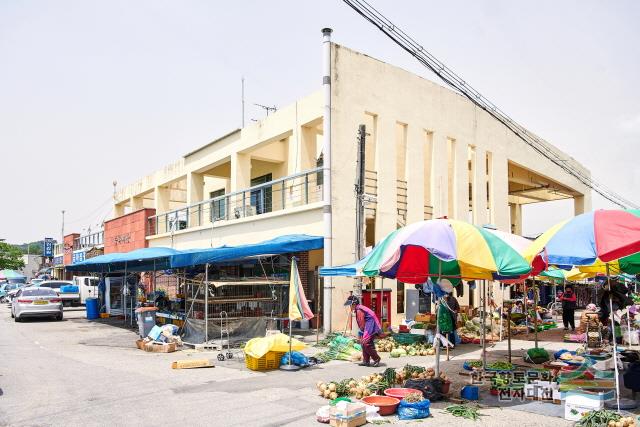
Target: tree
x=10, y=257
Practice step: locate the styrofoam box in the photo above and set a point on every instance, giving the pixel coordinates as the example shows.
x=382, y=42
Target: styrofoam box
x=575, y=412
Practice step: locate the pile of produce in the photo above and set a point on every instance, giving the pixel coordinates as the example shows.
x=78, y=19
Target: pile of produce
x=399, y=350
x=413, y=397
x=417, y=373
x=374, y=383
x=606, y=418
x=341, y=348
x=472, y=364
x=500, y=366
x=464, y=411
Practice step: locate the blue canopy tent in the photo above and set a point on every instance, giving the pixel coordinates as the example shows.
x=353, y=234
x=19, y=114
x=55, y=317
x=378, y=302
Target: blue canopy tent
x=348, y=270
x=279, y=245
x=147, y=259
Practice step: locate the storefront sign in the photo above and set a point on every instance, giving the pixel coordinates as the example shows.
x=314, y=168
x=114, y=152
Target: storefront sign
x=122, y=238
x=59, y=260
x=48, y=247
x=78, y=256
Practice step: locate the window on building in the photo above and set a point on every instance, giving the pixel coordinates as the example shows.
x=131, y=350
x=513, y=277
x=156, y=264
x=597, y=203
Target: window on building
x=218, y=207
x=261, y=198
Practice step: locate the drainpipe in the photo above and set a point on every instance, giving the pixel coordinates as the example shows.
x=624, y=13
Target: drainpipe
x=326, y=174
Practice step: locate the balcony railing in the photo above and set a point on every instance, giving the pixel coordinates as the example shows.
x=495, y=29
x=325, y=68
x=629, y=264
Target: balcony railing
x=277, y=195
x=89, y=241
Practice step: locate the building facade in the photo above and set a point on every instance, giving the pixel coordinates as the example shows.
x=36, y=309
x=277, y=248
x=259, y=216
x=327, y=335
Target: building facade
x=429, y=153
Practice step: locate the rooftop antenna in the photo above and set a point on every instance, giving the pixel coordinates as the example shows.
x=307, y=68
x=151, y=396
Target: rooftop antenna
x=242, y=79
x=267, y=108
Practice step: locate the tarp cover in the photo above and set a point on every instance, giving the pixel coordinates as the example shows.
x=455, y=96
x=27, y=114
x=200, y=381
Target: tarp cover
x=161, y=258
x=146, y=259
x=348, y=270
x=280, y=245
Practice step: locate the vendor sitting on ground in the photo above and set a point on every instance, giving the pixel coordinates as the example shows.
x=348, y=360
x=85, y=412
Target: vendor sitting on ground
x=370, y=327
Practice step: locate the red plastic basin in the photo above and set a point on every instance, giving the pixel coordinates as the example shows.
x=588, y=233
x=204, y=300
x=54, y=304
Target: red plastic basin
x=387, y=405
x=400, y=392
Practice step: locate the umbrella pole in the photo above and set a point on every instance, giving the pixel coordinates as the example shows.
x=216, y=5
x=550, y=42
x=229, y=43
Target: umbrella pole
x=509, y=331
x=484, y=324
x=613, y=335
x=436, y=340
x=526, y=310
x=501, y=309
x=535, y=313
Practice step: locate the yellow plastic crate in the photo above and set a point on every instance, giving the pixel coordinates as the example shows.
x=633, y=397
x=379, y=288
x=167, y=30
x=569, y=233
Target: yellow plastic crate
x=269, y=361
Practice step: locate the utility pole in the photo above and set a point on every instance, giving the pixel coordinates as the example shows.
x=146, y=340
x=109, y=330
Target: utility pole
x=62, y=239
x=359, y=190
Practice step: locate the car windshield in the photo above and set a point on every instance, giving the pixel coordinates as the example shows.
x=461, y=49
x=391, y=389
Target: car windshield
x=55, y=285
x=11, y=286
x=18, y=281
x=38, y=292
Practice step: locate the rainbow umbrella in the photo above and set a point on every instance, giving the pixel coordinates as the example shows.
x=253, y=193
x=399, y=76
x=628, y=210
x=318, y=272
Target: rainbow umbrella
x=602, y=235
x=445, y=248
x=593, y=238
x=298, y=308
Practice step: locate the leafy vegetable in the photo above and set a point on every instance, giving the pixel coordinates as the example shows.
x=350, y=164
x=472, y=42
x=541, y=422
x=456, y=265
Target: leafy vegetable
x=463, y=411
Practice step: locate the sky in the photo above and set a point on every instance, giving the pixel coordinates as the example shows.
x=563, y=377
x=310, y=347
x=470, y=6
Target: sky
x=93, y=92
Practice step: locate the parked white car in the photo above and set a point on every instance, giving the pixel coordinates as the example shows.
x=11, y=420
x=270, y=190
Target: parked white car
x=36, y=302
x=66, y=290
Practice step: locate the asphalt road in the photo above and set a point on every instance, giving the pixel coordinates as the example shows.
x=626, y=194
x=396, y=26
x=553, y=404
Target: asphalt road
x=76, y=372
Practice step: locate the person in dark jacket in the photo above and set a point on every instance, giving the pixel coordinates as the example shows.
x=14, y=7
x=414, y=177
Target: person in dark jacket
x=568, y=299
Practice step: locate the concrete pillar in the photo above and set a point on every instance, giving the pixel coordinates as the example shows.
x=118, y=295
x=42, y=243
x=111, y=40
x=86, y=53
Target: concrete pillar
x=415, y=174
x=161, y=196
x=307, y=158
x=386, y=213
x=195, y=188
x=118, y=210
x=516, y=218
x=240, y=171
x=439, y=176
x=461, y=181
x=582, y=204
x=136, y=203
x=480, y=188
x=500, y=187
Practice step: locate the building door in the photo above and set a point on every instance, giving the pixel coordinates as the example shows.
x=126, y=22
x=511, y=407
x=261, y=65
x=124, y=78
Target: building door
x=261, y=198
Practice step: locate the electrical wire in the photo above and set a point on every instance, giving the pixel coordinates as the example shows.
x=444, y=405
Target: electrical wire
x=407, y=43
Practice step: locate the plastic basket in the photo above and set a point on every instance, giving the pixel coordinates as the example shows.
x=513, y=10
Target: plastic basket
x=406, y=339
x=269, y=361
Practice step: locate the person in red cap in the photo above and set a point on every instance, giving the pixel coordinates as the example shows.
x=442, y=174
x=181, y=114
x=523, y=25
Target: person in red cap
x=370, y=328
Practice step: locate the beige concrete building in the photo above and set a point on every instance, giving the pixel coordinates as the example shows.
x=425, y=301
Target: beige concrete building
x=430, y=152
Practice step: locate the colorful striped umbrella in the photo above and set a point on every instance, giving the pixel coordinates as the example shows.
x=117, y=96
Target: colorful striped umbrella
x=298, y=306
x=446, y=248
x=605, y=235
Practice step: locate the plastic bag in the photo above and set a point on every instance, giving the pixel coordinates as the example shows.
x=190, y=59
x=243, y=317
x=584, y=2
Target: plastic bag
x=444, y=319
x=414, y=410
x=431, y=389
x=297, y=358
x=323, y=414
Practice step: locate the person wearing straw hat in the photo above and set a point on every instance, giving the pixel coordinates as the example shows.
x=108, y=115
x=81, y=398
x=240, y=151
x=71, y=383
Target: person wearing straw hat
x=369, y=327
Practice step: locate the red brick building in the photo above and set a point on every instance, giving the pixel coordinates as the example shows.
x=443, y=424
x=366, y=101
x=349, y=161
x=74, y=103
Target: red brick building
x=128, y=232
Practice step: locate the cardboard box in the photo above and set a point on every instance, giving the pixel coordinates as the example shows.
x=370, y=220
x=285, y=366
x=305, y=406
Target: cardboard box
x=350, y=422
x=350, y=410
x=155, y=347
x=579, y=402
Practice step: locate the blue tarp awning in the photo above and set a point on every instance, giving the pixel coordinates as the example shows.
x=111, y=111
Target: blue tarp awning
x=348, y=270
x=161, y=258
x=146, y=259
x=280, y=245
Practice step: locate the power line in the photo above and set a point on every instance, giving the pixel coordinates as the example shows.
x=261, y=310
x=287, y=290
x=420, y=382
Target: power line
x=410, y=45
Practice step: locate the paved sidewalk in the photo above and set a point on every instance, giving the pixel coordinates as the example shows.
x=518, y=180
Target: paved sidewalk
x=77, y=372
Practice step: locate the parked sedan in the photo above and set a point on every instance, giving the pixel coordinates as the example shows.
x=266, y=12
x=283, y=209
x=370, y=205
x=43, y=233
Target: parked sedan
x=36, y=302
